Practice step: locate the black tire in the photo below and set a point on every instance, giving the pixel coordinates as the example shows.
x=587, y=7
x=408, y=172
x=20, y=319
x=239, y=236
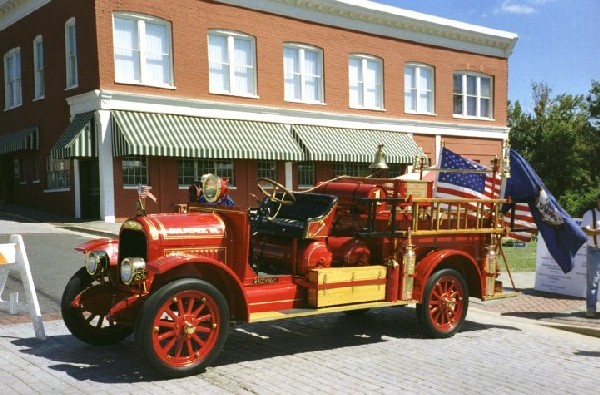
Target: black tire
x=87, y=326
x=444, y=305
x=182, y=327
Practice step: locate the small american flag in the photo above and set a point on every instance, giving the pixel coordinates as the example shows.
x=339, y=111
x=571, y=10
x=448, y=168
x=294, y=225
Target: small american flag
x=480, y=186
x=144, y=192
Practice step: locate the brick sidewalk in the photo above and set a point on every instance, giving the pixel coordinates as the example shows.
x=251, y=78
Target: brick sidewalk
x=546, y=308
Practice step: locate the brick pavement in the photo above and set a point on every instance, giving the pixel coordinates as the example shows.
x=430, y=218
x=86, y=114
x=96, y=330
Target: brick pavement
x=382, y=352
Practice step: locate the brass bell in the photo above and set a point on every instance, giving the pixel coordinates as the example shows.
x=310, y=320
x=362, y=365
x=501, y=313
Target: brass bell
x=379, y=161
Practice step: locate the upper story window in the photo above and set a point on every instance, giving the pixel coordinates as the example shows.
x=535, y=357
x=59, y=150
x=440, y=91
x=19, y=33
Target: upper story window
x=38, y=67
x=71, y=54
x=303, y=73
x=12, y=78
x=473, y=95
x=232, y=63
x=366, y=82
x=418, y=89
x=143, y=50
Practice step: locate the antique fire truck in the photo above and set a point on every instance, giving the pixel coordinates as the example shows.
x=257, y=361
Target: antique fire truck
x=177, y=280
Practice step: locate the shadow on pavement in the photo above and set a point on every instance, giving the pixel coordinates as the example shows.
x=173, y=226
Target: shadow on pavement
x=247, y=342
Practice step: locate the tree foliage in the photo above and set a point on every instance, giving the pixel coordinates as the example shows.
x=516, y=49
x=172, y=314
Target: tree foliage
x=560, y=138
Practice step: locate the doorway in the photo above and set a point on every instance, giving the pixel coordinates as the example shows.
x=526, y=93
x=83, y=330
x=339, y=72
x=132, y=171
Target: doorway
x=89, y=178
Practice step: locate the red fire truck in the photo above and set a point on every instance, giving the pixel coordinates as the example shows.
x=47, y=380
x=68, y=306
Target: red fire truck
x=177, y=280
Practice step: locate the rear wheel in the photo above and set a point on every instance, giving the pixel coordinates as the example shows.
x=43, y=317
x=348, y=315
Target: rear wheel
x=88, y=322
x=182, y=327
x=444, y=306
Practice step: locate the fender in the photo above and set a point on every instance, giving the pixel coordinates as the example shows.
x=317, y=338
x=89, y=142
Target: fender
x=164, y=265
x=111, y=246
x=428, y=264
x=97, y=244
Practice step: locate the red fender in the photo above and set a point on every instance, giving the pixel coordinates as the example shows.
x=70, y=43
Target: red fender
x=426, y=266
x=97, y=244
x=191, y=264
x=111, y=246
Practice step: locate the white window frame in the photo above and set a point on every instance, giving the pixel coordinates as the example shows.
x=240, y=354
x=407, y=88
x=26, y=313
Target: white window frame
x=135, y=171
x=72, y=75
x=301, y=73
x=363, y=85
x=478, y=96
x=141, y=53
x=250, y=69
x=414, y=91
x=13, y=95
x=38, y=68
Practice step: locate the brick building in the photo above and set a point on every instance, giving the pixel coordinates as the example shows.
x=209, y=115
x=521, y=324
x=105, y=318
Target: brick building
x=101, y=95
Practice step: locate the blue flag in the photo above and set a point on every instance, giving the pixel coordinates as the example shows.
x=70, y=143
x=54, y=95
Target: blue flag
x=562, y=235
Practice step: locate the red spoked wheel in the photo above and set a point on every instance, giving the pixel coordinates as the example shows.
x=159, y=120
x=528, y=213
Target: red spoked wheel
x=444, y=306
x=182, y=327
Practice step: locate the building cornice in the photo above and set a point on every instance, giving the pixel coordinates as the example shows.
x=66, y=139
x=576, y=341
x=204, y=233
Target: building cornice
x=12, y=11
x=374, y=18
x=112, y=100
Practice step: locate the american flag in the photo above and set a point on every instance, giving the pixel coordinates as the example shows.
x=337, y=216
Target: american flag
x=144, y=192
x=479, y=186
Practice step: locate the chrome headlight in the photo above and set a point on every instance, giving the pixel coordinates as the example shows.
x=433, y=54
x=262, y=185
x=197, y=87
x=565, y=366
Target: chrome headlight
x=96, y=262
x=133, y=269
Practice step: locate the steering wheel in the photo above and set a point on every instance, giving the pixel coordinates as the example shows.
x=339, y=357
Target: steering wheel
x=287, y=198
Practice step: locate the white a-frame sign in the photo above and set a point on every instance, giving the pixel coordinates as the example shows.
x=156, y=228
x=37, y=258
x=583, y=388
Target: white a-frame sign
x=13, y=257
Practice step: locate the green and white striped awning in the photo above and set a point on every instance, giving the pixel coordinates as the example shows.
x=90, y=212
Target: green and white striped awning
x=140, y=133
x=78, y=140
x=329, y=144
x=26, y=139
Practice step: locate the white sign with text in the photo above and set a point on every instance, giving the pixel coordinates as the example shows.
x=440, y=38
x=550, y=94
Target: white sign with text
x=550, y=278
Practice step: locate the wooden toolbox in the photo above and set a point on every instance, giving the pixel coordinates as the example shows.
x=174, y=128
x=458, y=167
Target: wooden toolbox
x=343, y=285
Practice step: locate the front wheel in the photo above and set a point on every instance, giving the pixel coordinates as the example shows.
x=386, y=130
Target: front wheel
x=182, y=327
x=444, y=305
x=88, y=322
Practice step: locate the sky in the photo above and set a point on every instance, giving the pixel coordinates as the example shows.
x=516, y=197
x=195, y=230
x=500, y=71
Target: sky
x=558, y=45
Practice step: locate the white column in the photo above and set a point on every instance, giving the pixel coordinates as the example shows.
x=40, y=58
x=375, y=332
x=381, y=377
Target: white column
x=105, y=163
x=77, y=188
x=438, y=148
x=289, y=176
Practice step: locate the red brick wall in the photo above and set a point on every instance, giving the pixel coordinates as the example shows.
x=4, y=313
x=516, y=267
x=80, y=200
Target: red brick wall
x=191, y=21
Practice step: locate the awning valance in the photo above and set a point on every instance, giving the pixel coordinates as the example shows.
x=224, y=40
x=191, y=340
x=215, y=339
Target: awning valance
x=26, y=139
x=78, y=140
x=331, y=144
x=139, y=133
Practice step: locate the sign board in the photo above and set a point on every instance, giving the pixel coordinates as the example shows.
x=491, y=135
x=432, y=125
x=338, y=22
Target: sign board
x=14, y=258
x=550, y=278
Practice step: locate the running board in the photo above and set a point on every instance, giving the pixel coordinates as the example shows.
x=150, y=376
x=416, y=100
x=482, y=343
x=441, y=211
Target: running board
x=502, y=295
x=291, y=313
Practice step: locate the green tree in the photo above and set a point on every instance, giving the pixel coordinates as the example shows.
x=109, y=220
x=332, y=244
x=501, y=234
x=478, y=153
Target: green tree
x=561, y=141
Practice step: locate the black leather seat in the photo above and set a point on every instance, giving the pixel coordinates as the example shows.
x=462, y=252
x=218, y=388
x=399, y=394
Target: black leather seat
x=293, y=219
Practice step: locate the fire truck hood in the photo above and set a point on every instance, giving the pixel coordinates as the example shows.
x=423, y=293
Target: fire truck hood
x=182, y=226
